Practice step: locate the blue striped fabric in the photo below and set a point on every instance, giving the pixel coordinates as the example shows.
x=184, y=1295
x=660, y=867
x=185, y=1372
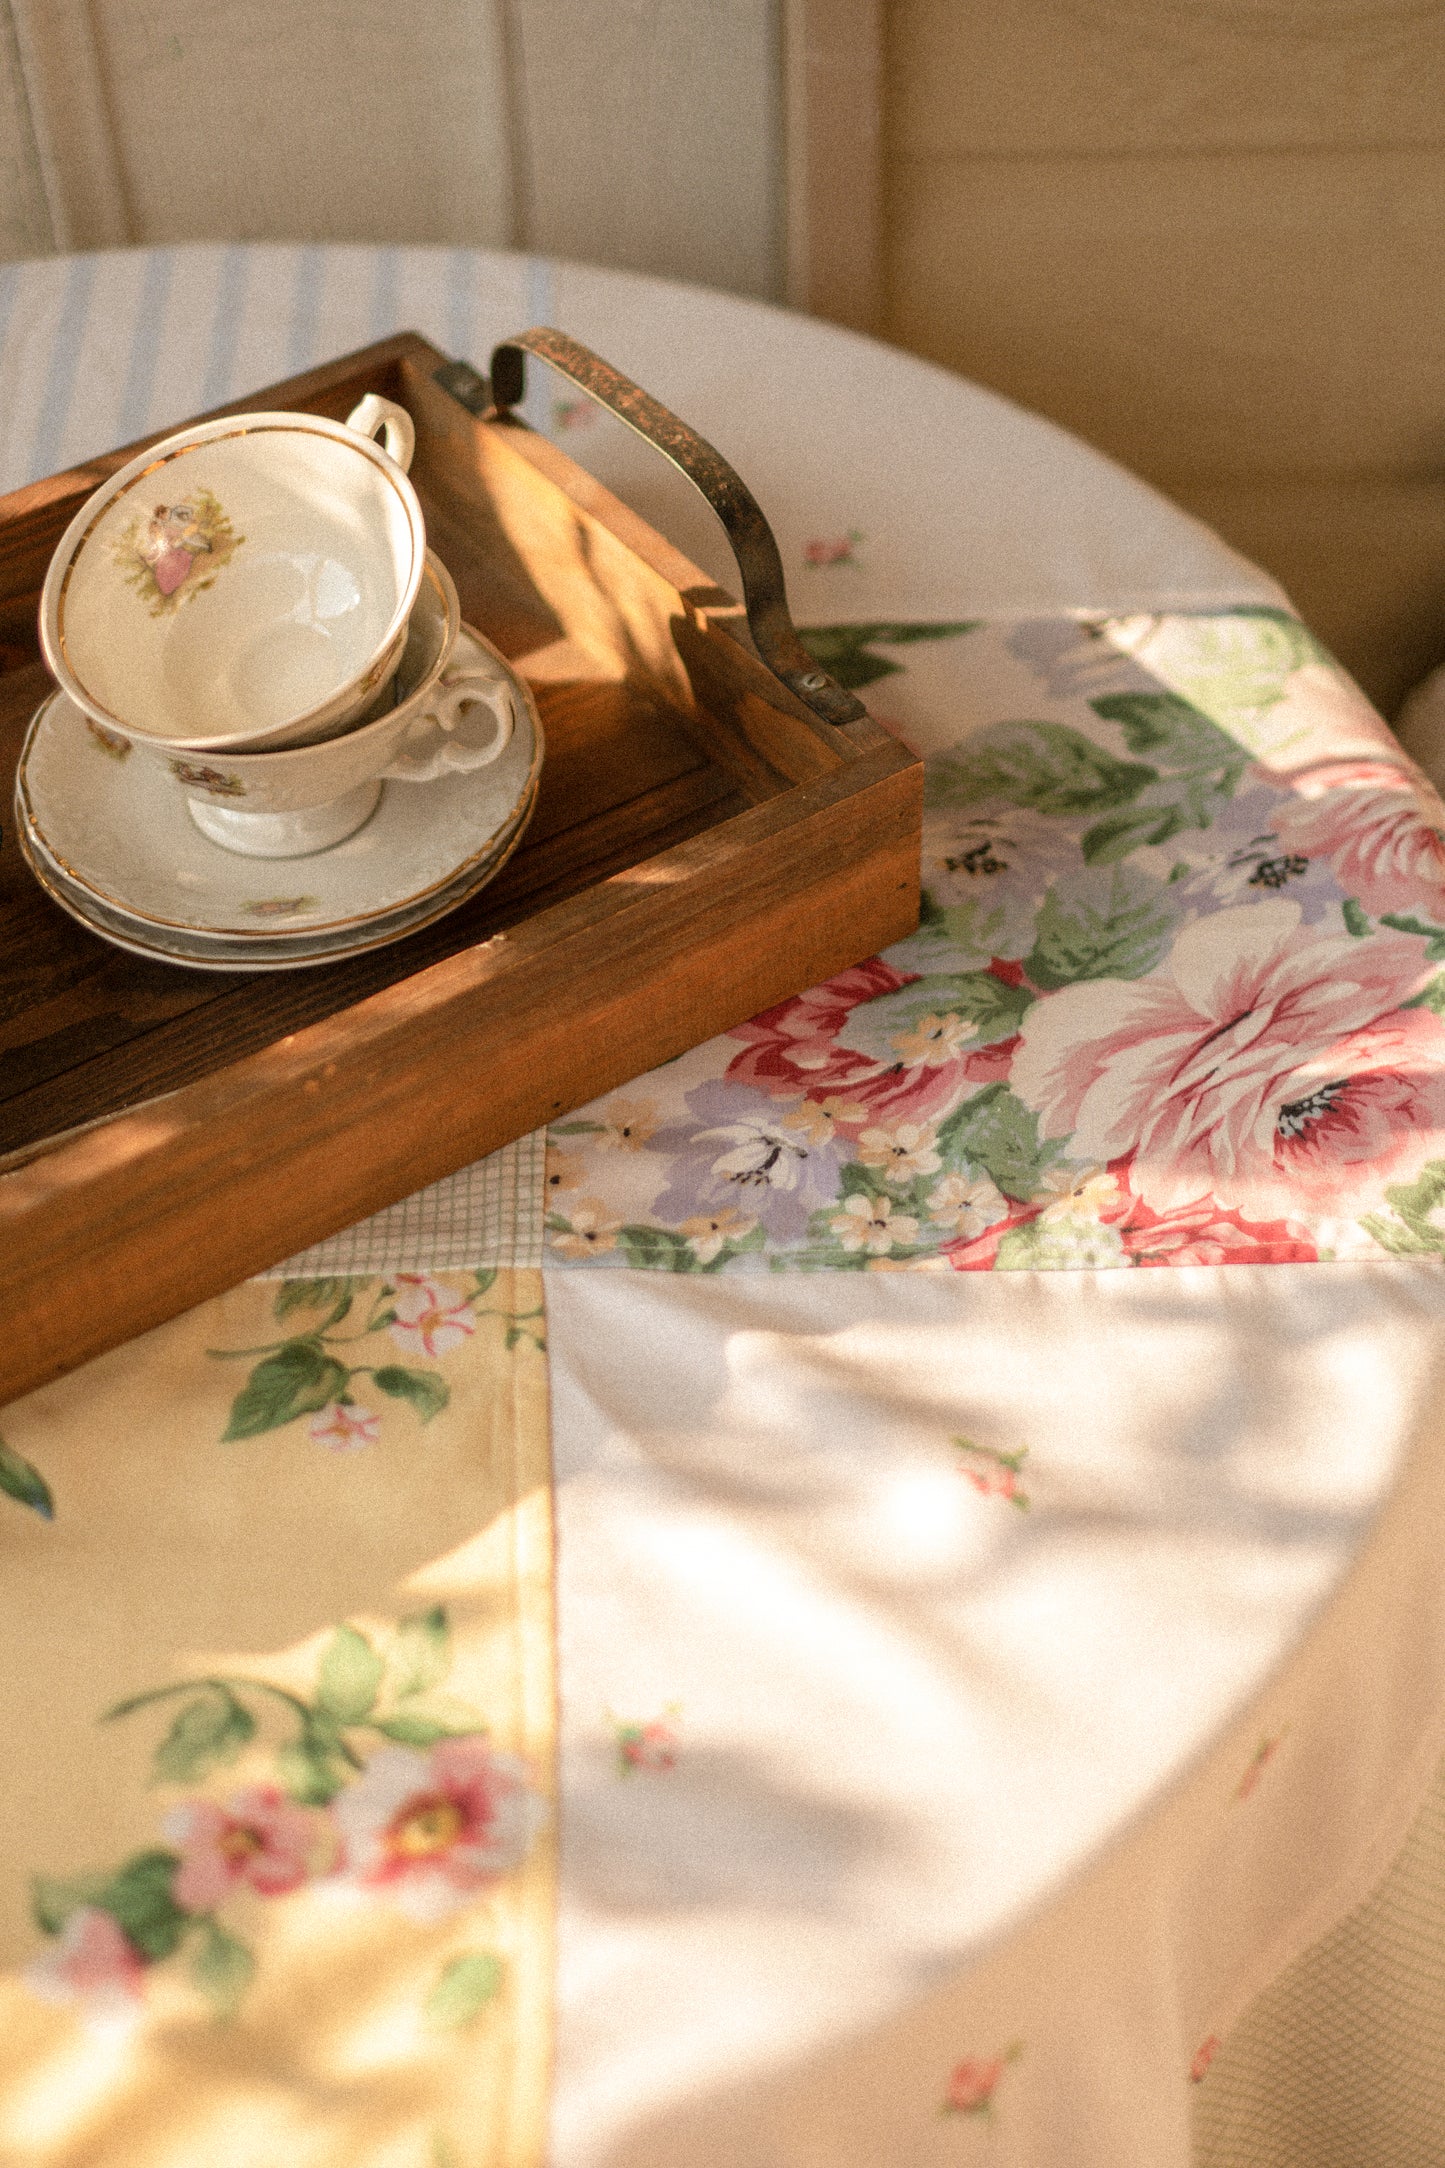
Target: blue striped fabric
x=97, y=350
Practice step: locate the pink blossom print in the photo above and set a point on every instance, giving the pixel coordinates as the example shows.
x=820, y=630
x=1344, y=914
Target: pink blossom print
x=428, y=1318
x=973, y=2082
x=1204, y=2056
x=436, y=1828
x=259, y=1839
x=1263, y=1755
x=652, y=1745
x=1264, y=1064
x=90, y=1962
x=993, y=1473
x=826, y=551
x=342, y=1428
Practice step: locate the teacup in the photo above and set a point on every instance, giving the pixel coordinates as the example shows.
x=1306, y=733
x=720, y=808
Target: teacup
x=454, y=710
x=244, y=583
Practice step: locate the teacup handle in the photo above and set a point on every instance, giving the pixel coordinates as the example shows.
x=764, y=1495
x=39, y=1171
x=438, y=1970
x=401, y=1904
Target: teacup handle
x=422, y=759
x=385, y=423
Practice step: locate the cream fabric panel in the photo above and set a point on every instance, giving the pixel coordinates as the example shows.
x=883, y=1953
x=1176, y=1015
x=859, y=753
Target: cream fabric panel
x=175, y=120
x=1212, y=240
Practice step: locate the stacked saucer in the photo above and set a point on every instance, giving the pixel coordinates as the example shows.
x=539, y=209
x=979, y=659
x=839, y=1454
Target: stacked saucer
x=275, y=744
x=113, y=841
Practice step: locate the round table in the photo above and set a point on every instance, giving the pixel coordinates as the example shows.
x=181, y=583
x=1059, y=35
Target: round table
x=984, y=1667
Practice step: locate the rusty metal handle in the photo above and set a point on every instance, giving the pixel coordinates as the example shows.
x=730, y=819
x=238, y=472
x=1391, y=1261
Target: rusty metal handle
x=760, y=567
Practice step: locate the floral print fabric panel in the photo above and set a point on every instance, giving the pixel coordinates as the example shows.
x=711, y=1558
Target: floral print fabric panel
x=280, y=1872
x=1176, y=996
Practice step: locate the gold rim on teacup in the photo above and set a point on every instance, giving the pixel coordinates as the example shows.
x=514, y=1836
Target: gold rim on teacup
x=244, y=583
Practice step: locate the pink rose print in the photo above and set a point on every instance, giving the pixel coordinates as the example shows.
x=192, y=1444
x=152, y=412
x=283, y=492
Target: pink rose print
x=973, y=2082
x=1380, y=828
x=1264, y=1754
x=652, y=1747
x=820, y=554
x=428, y=1319
x=90, y=1962
x=342, y=1428
x=792, y=1049
x=259, y=1838
x=1208, y=2049
x=437, y=1827
x=1262, y=1064
x=994, y=1473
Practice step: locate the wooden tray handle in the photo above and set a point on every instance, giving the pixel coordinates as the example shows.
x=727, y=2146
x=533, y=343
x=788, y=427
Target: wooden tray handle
x=759, y=565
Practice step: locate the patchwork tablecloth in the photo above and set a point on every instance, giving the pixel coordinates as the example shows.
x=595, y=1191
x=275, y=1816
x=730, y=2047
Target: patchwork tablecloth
x=986, y=1669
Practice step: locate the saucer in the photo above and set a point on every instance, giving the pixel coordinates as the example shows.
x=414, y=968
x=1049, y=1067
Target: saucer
x=280, y=952
x=112, y=841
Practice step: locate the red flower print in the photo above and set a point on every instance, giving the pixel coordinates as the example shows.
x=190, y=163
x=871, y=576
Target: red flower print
x=793, y=1049
x=819, y=554
x=1264, y=1754
x=1203, y=1233
x=653, y=1746
x=1207, y=2051
x=973, y=2082
x=259, y=1839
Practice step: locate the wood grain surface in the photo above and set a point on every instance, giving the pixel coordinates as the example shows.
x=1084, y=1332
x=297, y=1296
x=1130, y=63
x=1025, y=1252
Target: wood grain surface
x=702, y=847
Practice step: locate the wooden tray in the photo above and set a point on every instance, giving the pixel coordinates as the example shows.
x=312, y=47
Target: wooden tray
x=705, y=844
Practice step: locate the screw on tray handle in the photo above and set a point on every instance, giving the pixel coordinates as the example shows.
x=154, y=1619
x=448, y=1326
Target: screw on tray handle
x=759, y=565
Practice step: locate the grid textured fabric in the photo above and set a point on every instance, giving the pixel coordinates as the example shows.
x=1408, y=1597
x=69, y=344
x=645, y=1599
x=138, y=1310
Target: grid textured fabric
x=487, y=1214
x=1340, y=2063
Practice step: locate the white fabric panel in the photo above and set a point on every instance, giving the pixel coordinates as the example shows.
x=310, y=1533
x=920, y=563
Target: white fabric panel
x=907, y=1714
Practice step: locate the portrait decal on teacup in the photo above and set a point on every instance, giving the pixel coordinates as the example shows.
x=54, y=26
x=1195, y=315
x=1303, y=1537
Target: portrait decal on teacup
x=176, y=550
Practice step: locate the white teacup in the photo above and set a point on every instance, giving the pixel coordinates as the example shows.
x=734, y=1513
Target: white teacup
x=245, y=583
x=454, y=712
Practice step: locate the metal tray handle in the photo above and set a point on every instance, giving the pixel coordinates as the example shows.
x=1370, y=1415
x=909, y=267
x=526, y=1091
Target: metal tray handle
x=759, y=565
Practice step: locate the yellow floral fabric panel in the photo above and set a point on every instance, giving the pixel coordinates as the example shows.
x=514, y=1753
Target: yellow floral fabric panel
x=278, y=1693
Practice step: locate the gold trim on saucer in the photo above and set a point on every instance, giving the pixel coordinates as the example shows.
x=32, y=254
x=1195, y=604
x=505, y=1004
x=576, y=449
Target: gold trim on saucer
x=263, y=934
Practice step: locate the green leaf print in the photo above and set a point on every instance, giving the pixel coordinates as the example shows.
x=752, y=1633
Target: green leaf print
x=210, y=1730
x=311, y=1769
x=1420, y=1229
x=1434, y=936
x=334, y=1296
x=24, y=1483
x=221, y=1967
x=1099, y=926
x=349, y=1677
x=843, y=650
x=1048, y=767
x=656, y=1249
x=972, y=1007
x=137, y=1897
x=463, y=1989
x=297, y=1380
x=1200, y=770
x=427, y=1393
x=1433, y=998
x=420, y=1655
x=422, y=1723
x=1357, y=922
x=996, y=1131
